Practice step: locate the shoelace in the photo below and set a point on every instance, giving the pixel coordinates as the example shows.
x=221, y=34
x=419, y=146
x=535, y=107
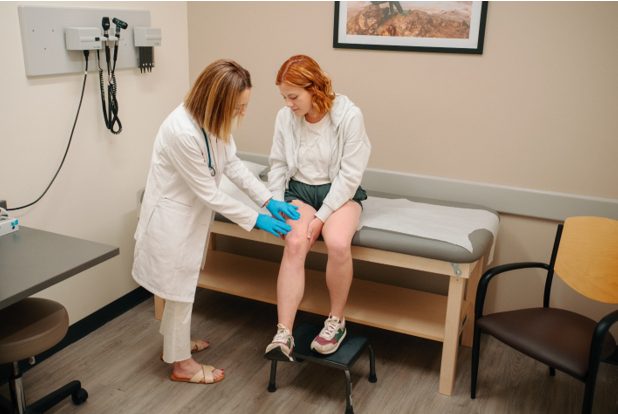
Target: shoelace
x=282, y=335
x=330, y=327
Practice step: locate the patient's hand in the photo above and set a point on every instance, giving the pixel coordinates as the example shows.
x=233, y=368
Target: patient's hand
x=314, y=229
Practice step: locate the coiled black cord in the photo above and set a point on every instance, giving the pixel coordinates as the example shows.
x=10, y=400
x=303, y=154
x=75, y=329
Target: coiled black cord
x=110, y=108
x=81, y=98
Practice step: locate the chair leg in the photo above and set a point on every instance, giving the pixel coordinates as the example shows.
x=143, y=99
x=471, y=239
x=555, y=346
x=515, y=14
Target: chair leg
x=73, y=388
x=552, y=371
x=588, y=398
x=272, y=386
x=589, y=390
x=16, y=387
x=372, y=365
x=476, y=349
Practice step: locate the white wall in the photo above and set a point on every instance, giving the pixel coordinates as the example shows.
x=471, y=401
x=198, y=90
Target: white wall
x=95, y=194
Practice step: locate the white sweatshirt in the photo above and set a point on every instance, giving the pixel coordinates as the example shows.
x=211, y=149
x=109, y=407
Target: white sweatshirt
x=348, y=159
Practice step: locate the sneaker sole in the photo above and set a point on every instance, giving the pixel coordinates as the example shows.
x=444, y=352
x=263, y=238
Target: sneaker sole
x=277, y=354
x=336, y=348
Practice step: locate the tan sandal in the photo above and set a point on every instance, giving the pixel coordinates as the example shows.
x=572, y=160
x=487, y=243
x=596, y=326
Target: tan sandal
x=195, y=347
x=203, y=376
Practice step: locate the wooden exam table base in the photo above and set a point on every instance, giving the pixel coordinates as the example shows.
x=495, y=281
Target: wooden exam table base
x=412, y=312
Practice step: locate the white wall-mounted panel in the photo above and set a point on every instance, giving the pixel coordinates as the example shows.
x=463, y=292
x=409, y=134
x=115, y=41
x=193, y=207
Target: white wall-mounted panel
x=42, y=36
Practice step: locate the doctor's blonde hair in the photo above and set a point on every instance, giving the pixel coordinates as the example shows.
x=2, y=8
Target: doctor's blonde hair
x=213, y=99
x=304, y=72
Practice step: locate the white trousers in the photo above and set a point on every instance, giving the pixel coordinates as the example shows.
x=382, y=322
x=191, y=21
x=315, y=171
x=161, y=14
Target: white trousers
x=176, y=331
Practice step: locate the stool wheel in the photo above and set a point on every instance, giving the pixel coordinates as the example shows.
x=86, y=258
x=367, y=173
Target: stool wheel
x=373, y=378
x=80, y=396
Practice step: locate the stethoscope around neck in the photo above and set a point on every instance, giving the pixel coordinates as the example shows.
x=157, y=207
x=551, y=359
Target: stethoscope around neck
x=211, y=168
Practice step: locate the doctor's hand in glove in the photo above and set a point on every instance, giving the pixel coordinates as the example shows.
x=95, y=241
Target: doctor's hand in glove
x=282, y=210
x=272, y=225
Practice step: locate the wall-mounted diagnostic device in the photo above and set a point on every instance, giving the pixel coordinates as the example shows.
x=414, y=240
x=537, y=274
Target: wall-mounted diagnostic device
x=83, y=38
x=145, y=39
x=58, y=40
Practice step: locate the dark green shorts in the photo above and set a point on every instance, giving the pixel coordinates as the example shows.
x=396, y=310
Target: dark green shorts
x=314, y=195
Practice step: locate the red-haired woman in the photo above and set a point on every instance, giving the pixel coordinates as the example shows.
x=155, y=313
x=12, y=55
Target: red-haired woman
x=319, y=154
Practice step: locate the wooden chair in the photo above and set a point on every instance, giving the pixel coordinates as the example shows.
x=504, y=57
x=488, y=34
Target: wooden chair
x=585, y=257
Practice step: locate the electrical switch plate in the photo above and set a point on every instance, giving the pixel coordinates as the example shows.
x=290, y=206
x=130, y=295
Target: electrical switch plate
x=43, y=38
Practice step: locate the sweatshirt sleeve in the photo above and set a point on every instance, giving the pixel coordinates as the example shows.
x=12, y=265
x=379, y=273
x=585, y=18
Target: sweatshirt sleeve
x=185, y=155
x=277, y=160
x=356, y=151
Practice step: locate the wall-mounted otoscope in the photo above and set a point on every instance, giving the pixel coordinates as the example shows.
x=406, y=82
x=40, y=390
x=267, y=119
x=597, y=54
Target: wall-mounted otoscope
x=110, y=108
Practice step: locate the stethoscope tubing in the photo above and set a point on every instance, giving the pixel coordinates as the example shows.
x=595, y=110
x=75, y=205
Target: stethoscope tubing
x=212, y=169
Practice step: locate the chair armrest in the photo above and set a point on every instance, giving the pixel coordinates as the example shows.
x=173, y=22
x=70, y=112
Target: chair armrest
x=489, y=274
x=598, y=336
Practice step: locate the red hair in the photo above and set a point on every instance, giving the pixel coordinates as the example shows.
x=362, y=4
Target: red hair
x=304, y=72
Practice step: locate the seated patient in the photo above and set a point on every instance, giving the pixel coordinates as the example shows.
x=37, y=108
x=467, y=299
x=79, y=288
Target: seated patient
x=319, y=154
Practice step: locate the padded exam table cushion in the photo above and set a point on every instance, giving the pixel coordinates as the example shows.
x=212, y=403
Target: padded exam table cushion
x=481, y=239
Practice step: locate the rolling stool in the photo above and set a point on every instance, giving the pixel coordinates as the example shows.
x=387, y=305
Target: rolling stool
x=30, y=327
x=343, y=359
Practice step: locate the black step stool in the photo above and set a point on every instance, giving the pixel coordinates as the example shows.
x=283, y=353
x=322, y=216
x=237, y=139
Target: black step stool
x=343, y=359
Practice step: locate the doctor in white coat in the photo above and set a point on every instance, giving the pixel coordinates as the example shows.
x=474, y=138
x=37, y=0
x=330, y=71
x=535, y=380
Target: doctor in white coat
x=192, y=150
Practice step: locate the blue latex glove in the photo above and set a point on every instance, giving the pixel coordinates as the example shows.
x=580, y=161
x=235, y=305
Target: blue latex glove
x=277, y=207
x=272, y=225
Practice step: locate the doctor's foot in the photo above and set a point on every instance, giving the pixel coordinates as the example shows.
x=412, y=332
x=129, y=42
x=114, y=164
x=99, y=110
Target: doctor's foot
x=191, y=371
x=197, y=345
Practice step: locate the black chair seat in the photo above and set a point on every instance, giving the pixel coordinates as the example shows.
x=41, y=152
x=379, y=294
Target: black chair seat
x=556, y=337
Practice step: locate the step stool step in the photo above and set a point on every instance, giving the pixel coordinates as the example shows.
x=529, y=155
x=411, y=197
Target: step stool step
x=344, y=358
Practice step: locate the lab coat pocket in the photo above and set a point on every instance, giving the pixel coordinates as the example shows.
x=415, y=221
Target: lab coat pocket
x=166, y=234
x=193, y=250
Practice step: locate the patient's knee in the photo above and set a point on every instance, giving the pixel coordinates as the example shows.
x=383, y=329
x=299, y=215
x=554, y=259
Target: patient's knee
x=296, y=246
x=338, y=249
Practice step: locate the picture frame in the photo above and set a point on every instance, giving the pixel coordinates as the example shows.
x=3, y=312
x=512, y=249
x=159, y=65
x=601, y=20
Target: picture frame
x=445, y=27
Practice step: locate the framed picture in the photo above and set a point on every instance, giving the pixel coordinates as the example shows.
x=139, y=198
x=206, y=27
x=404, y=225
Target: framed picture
x=422, y=26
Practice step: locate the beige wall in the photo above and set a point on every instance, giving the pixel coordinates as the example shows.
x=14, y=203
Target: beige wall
x=542, y=96
x=537, y=110
x=94, y=196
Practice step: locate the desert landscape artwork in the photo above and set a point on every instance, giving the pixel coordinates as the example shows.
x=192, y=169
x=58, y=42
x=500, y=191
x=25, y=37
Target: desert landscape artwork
x=451, y=26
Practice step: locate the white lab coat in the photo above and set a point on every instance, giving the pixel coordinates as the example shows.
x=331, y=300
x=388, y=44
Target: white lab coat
x=178, y=205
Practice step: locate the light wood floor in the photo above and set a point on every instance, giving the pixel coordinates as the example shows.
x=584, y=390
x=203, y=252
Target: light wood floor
x=119, y=366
